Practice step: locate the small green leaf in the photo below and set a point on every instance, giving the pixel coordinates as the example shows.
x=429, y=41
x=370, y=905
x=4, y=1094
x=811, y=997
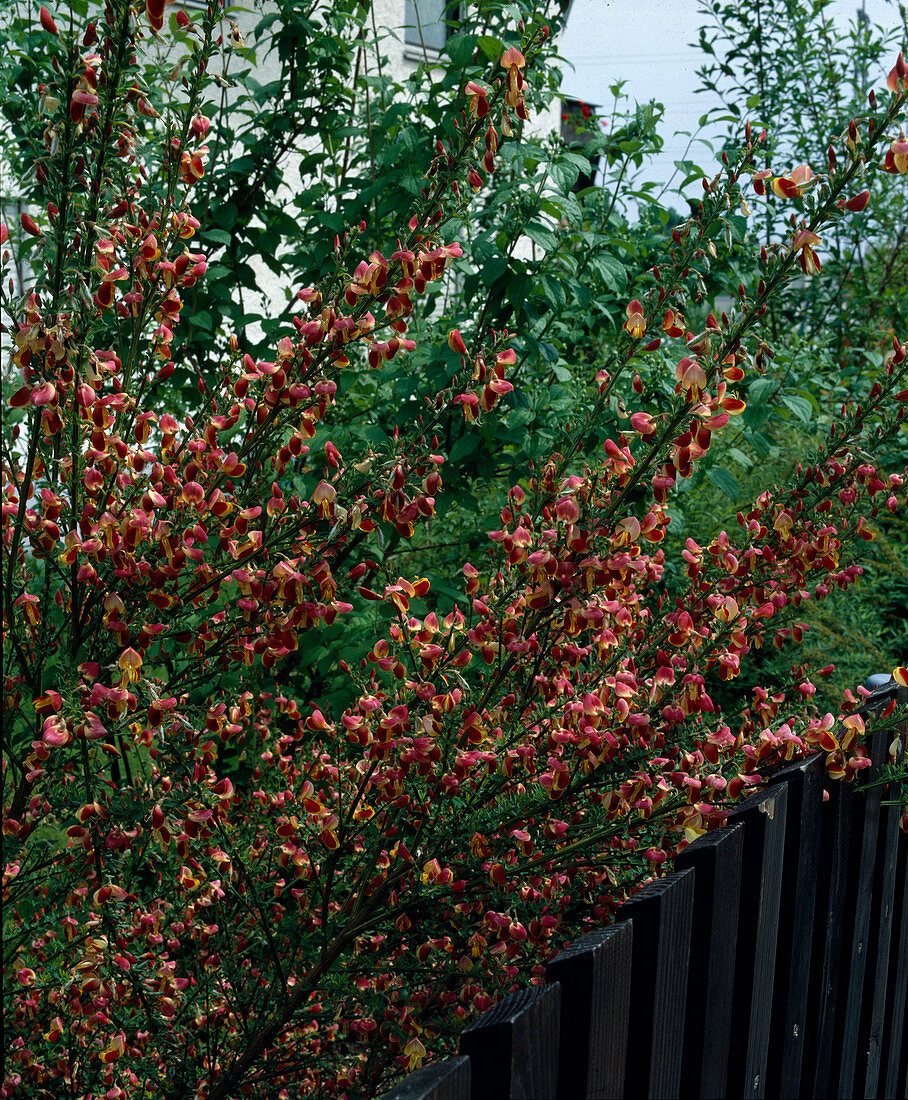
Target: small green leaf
x=492, y=47
x=725, y=481
x=564, y=175
x=757, y=413
x=800, y=406
x=463, y=447
x=371, y=433
x=582, y=163
x=760, y=388
x=553, y=291
x=461, y=47
x=493, y=269
x=760, y=443
x=541, y=235
x=520, y=416
x=611, y=271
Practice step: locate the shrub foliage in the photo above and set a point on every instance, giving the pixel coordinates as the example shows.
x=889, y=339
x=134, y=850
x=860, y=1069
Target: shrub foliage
x=355, y=662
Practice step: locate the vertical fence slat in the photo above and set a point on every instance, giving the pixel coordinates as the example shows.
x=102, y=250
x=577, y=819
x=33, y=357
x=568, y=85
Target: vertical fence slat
x=595, y=978
x=513, y=1048
x=895, y=1044
x=827, y=938
x=856, y=917
x=661, y=913
x=901, y=990
x=804, y=781
x=884, y=928
x=449, y=1080
x=870, y=1052
x=763, y=818
x=716, y=861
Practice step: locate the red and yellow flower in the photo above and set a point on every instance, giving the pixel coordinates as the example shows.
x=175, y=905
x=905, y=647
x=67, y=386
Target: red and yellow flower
x=635, y=325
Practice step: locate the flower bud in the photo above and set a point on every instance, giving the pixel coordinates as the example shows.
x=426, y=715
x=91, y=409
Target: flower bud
x=200, y=126
x=456, y=343
x=858, y=202
x=29, y=226
x=47, y=23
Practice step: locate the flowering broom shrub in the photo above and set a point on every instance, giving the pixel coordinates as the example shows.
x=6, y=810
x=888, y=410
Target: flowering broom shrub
x=214, y=888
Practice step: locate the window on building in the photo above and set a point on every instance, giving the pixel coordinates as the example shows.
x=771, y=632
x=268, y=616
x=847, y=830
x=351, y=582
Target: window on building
x=428, y=22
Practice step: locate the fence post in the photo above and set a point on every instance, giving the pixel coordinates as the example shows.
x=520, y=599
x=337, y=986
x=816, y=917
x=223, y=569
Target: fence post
x=595, y=978
x=882, y=944
x=895, y=1041
x=827, y=938
x=448, y=1080
x=880, y=948
x=716, y=861
x=893, y=1072
x=661, y=913
x=763, y=818
x=856, y=916
x=804, y=814
x=513, y=1048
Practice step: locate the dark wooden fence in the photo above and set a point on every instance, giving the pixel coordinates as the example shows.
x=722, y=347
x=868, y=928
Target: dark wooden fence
x=773, y=961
